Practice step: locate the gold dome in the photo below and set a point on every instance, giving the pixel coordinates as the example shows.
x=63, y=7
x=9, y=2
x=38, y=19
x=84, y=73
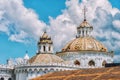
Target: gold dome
x=45, y=58
x=84, y=44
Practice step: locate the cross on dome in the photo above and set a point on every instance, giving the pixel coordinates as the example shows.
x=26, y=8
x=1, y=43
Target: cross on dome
x=84, y=29
x=85, y=10
x=44, y=30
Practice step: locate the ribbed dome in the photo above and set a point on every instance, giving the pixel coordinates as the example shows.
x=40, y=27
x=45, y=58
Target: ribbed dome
x=84, y=44
x=45, y=59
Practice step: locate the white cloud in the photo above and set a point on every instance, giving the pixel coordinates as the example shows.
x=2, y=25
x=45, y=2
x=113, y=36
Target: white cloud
x=116, y=24
x=15, y=18
x=61, y=30
x=114, y=11
x=19, y=37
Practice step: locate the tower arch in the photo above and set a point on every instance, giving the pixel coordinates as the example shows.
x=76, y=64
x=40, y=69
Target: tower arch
x=103, y=63
x=2, y=78
x=91, y=63
x=76, y=62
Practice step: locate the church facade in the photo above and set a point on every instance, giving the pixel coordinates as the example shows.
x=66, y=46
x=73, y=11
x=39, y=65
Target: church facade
x=81, y=53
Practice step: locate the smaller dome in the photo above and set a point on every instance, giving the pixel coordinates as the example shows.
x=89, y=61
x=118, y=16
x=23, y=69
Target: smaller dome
x=45, y=38
x=45, y=59
x=84, y=24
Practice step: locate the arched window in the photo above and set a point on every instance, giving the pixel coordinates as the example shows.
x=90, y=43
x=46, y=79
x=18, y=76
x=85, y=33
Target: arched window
x=2, y=78
x=10, y=79
x=103, y=63
x=43, y=48
x=86, y=33
x=91, y=63
x=76, y=62
x=83, y=33
x=79, y=32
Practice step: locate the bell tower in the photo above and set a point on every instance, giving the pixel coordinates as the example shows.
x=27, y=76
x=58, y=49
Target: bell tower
x=45, y=44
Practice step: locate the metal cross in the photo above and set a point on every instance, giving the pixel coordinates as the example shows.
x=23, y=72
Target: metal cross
x=85, y=10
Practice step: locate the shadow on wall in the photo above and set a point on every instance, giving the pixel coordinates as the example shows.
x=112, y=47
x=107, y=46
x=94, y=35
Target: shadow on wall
x=112, y=64
x=4, y=79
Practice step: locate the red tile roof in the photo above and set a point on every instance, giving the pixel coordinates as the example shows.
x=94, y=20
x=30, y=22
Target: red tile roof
x=112, y=73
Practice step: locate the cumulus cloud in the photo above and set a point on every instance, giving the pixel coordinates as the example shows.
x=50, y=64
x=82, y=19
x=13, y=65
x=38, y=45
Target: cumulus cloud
x=116, y=24
x=19, y=22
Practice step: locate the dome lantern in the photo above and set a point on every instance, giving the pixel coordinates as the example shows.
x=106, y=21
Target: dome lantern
x=85, y=29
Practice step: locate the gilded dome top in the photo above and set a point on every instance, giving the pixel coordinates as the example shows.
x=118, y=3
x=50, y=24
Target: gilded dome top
x=45, y=35
x=85, y=24
x=45, y=59
x=84, y=44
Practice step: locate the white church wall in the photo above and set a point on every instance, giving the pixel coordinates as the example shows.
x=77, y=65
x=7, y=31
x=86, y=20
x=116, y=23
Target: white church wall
x=5, y=72
x=85, y=57
x=35, y=71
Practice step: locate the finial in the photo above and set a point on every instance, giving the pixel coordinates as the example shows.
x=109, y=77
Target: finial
x=45, y=30
x=85, y=10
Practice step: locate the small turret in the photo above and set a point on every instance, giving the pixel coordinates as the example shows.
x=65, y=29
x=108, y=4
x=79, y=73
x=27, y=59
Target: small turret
x=26, y=57
x=10, y=62
x=45, y=44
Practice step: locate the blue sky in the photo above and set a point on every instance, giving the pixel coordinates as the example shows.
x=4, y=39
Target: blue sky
x=43, y=9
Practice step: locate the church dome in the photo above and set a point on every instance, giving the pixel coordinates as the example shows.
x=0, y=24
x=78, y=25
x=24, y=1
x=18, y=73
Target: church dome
x=84, y=40
x=45, y=59
x=84, y=44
